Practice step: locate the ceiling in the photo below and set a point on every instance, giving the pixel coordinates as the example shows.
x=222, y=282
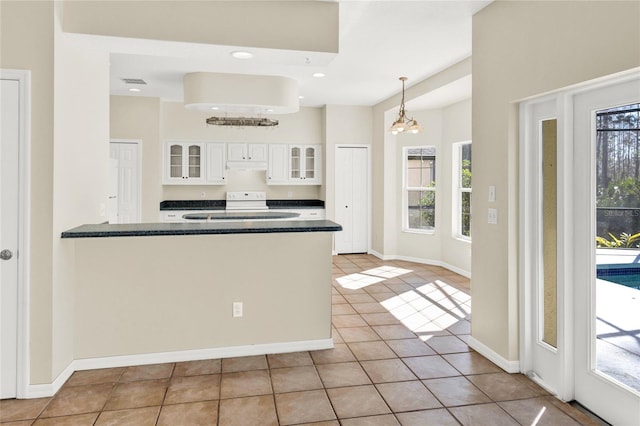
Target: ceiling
x=379, y=42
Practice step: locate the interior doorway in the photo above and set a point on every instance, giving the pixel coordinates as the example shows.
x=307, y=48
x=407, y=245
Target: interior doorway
x=125, y=180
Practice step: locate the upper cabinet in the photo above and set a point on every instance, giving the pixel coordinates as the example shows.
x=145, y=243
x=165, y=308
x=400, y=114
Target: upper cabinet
x=278, y=169
x=216, y=164
x=194, y=163
x=304, y=164
x=246, y=152
x=294, y=165
x=207, y=163
x=183, y=163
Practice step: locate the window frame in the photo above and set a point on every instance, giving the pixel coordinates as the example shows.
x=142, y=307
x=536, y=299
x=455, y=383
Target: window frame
x=458, y=192
x=406, y=189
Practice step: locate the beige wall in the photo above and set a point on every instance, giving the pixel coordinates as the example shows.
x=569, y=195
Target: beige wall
x=27, y=43
x=175, y=293
x=456, y=127
x=385, y=164
x=521, y=49
x=302, y=26
x=344, y=125
x=154, y=121
x=134, y=117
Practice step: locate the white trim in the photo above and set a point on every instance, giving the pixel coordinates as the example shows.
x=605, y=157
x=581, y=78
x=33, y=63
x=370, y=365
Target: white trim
x=491, y=355
x=49, y=389
x=24, y=216
x=445, y=265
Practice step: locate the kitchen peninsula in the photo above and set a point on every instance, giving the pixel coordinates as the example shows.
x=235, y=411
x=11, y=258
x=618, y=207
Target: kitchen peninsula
x=163, y=292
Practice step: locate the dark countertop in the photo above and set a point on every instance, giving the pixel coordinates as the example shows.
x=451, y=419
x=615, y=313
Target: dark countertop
x=220, y=204
x=201, y=228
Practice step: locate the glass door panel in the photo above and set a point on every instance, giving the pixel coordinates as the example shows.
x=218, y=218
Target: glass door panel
x=617, y=194
x=606, y=254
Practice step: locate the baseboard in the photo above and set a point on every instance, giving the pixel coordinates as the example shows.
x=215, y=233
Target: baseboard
x=491, y=355
x=49, y=389
x=440, y=263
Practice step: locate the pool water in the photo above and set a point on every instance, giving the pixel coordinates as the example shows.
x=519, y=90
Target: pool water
x=625, y=274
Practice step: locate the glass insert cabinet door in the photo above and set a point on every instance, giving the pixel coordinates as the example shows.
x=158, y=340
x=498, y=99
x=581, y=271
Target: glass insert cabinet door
x=309, y=163
x=194, y=161
x=185, y=161
x=175, y=161
x=295, y=162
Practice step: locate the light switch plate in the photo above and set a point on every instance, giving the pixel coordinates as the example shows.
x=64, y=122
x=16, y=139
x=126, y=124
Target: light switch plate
x=237, y=309
x=492, y=193
x=493, y=216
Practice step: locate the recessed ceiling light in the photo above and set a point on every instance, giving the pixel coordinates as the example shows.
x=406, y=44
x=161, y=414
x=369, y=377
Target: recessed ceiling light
x=300, y=97
x=270, y=110
x=134, y=89
x=239, y=54
x=214, y=108
x=318, y=74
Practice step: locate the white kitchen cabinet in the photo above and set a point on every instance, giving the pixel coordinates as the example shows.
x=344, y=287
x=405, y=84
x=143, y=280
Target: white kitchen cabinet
x=278, y=168
x=246, y=152
x=216, y=164
x=304, y=165
x=183, y=163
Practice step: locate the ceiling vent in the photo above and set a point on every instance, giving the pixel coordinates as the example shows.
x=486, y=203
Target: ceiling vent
x=134, y=81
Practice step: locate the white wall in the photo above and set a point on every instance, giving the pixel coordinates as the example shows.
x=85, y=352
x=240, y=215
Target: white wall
x=80, y=185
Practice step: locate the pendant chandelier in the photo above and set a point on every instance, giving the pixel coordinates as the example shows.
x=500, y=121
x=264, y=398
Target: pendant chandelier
x=404, y=124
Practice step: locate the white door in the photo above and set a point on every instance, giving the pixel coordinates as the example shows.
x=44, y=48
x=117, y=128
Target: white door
x=596, y=389
x=541, y=263
x=352, y=199
x=278, y=164
x=127, y=154
x=9, y=199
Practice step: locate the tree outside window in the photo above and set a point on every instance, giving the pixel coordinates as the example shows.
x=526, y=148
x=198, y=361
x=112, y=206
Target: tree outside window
x=464, y=189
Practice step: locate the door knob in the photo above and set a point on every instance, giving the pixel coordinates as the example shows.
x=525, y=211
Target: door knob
x=6, y=254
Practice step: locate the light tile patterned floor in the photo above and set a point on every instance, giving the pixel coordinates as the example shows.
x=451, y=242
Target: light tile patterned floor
x=400, y=358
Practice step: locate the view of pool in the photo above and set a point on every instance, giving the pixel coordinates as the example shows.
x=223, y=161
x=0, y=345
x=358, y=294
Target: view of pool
x=625, y=274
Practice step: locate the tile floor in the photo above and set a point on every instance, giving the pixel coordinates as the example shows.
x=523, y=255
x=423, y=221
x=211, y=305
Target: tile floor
x=400, y=358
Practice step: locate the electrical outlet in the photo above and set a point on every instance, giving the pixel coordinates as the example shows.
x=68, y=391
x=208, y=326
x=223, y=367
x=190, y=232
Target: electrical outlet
x=290, y=194
x=237, y=309
x=203, y=194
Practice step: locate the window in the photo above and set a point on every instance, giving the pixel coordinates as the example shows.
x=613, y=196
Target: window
x=420, y=188
x=462, y=185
